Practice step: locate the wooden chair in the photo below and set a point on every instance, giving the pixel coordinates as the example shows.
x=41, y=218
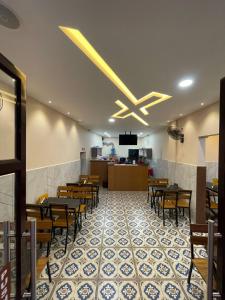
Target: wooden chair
x=153, y=183
x=95, y=179
x=79, y=193
x=44, y=235
x=85, y=192
x=168, y=201
x=83, y=178
x=201, y=264
x=34, y=211
x=184, y=201
x=64, y=192
x=63, y=218
x=211, y=203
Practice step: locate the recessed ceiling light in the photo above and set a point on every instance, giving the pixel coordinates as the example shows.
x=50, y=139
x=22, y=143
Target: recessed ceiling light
x=168, y=121
x=79, y=120
x=68, y=113
x=180, y=115
x=111, y=120
x=49, y=101
x=140, y=133
x=202, y=103
x=185, y=83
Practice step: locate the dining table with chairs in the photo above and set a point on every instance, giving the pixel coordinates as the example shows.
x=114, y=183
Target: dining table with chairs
x=168, y=197
x=64, y=211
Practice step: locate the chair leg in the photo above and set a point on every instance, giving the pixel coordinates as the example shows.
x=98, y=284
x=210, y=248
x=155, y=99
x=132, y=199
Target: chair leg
x=91, y=205
x=80, y=216
x=48, y=248
x=163, y=217
x=190, y=215
x=189, y=274
x=67, y=233
x=75, y=228
x=183, y=212
x=176, y=215
x=49, y=272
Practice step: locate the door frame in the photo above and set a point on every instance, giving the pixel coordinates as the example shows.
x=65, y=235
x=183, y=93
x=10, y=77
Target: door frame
x=221, y=191
x=18, y=164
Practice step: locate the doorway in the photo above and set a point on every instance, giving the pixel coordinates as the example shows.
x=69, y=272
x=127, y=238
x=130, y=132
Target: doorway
x=12, y=176
x=83, y=163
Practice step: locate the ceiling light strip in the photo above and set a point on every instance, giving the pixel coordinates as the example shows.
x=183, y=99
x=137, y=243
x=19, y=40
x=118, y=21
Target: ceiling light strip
x=143, y=109
x=82, y=43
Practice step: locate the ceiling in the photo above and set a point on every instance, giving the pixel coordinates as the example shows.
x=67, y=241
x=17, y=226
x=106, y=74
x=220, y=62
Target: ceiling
x=151, y=45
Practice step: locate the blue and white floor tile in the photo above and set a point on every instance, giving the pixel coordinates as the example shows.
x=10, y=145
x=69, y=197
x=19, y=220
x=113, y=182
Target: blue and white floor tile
x=123, y=252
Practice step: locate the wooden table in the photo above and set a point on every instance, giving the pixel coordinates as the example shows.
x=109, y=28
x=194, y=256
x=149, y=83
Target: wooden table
x=123, y=177
x=211, y=187
x=70, y=202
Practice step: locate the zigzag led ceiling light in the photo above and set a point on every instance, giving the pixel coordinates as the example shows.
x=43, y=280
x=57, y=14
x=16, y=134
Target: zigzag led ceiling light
x=82, y=43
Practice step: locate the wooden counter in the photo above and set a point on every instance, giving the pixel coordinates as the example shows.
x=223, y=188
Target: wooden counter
x=100, y=167
x=127, y=177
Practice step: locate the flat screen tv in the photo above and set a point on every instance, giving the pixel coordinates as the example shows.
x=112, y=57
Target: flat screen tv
x=127, y=139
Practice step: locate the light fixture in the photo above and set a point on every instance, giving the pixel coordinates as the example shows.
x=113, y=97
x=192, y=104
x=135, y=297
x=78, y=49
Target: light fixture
x=202, y=104
x=111, y=120
x=185, y=83
x=49, y=101
x=82, y=43
x=79, y=120
x=124, y=109
x=68, y=113
x=168, y=121
x=162, y=97
x=181, y=115
x=107, y=134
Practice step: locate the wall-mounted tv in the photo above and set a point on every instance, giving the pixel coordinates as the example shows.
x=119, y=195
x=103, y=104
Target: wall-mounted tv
x=127, y=139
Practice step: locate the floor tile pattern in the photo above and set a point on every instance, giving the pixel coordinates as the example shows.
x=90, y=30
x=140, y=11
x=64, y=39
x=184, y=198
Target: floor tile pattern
x=123, y=252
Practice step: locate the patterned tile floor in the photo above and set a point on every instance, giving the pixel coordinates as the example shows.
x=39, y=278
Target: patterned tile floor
x=123, y=252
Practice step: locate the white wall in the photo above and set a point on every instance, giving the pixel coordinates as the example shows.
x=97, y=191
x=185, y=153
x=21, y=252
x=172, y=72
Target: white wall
x=53, y=138
x=121, y=151
x=177, y=161
x=54, y=143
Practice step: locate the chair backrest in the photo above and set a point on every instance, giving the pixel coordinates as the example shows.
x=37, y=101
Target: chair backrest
x=197, y=237
x=83, y=178
x=158, y=181
x=95, y=179
x=34, y=211
x=185, y=195
x=215, y=181
x=169, y=196
x=42, y=198
x=44, y=228
x=83, y=191
x=58, y=210
x=64, y=192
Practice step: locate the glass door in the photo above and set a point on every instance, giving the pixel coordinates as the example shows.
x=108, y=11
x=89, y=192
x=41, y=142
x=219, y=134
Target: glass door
x=12, y=178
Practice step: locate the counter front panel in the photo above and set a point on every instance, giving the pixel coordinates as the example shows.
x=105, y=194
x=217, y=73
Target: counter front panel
x=127, y=177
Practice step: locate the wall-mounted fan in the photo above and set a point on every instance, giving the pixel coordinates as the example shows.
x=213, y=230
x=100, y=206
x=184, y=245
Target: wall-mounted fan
x=176, y=133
